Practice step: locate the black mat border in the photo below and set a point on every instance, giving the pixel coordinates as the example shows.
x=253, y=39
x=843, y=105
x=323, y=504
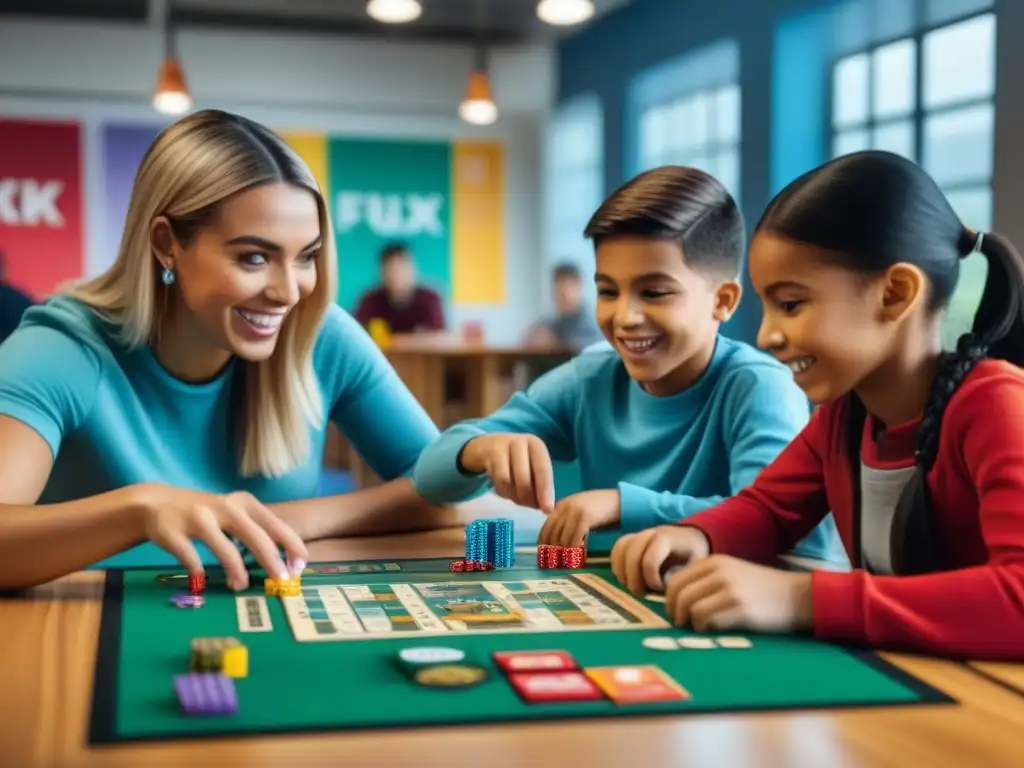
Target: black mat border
x=102, y=726
x=103, y=717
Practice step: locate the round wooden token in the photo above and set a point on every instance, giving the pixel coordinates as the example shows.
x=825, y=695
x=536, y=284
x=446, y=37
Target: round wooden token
x=451, y=675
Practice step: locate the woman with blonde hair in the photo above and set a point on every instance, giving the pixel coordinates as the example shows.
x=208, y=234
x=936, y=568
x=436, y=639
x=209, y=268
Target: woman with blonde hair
x=184, y=394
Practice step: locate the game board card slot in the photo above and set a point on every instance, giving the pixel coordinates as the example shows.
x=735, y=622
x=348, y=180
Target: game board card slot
x=418, y=609
x=253, y=614
x=340, y=611
x=535, y=615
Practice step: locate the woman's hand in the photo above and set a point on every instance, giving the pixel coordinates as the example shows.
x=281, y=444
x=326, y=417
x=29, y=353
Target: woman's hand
x=174, y=517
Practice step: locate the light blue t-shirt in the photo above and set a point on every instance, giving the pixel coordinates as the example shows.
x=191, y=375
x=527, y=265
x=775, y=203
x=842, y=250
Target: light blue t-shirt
x=669, y=457
x=114, y=417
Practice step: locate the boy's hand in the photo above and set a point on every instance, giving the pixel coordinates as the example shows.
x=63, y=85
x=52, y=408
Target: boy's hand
x=577, y=515
x=519, y=467
x=721, y=593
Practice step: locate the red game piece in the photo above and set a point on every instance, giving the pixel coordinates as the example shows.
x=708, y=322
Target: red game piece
x=196, y=583
x=457, y=566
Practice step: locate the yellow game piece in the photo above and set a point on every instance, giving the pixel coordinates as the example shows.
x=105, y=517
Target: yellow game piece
x=289, y=587
x=235, y=661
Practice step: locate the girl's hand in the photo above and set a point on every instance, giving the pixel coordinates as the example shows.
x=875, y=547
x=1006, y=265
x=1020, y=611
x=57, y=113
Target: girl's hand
x=723, y=593
x=640, y=560
x=175, y=516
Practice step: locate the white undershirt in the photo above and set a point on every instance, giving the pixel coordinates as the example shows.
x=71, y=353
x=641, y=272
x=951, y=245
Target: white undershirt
x=880, y=491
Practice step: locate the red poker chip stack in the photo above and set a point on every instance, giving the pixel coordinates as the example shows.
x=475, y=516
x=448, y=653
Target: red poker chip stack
x=573, y=557
x=468, y=566
x=196, y=583
x=549, y=556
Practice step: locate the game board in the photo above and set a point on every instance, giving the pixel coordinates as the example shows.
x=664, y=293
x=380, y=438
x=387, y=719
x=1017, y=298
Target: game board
x=300, y=686
x=386, y=610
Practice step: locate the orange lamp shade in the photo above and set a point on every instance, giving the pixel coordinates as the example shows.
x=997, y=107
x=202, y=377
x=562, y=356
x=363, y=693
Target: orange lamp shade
x=171, y=78
x=479, y=88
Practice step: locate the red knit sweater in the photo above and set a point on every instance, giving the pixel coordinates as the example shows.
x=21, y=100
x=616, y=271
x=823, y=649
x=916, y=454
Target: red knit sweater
x=975, y=610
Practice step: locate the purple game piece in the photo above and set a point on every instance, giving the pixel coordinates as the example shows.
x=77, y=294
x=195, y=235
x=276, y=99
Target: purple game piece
x=188, y=601
x=206, y=694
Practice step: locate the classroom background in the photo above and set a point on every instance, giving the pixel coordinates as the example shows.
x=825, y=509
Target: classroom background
x=482, y=134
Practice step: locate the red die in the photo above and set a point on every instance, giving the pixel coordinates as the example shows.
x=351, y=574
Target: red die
x=196, y=583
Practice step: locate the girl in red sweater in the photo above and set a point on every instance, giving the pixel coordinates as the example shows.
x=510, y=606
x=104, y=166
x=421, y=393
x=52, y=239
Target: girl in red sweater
x=918, y=453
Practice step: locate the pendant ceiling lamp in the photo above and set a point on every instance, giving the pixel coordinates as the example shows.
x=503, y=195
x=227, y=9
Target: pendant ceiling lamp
x=171, y=96
x=478, y=106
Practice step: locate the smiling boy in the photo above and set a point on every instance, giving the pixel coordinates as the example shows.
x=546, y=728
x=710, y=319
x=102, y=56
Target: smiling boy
x=673, y=417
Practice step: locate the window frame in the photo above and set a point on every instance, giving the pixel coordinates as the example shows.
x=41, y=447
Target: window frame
x=556, y=217
x=713, y=146
x=919, y=114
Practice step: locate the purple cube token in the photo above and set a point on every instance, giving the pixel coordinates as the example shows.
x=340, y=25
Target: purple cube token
x=206, y=694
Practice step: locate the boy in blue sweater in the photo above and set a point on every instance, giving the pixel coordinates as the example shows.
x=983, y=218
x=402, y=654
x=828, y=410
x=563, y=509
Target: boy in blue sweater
x=669, y=420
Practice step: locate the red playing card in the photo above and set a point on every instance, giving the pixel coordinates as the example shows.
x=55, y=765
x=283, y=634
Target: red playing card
x=637, y=685
x=534, y=661
x=541, y=687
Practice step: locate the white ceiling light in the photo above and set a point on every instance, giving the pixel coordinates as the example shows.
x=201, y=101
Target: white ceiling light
x=394, y=11
x=564, y=13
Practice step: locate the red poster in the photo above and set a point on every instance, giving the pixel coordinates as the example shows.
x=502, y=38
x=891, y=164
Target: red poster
x=41, y=228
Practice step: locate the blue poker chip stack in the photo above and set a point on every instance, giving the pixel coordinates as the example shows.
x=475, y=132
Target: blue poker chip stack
x=476, y=541
x=491, y=541
x=501, y=543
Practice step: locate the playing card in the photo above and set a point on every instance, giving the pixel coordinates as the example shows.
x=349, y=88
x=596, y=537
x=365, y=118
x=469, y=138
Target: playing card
x=637, y=685
x=538, y=687
x=534, y=661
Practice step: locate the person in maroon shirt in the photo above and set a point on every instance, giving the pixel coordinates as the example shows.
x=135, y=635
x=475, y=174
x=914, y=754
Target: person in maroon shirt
x=405, y=306
x=917, y=452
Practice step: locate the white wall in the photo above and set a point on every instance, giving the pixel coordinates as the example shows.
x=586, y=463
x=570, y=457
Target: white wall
x=96, y=72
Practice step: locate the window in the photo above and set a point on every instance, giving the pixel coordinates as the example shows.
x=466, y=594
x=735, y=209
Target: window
x=687, y=112
x=930, y=98
x=701, y=129
x=575, y=182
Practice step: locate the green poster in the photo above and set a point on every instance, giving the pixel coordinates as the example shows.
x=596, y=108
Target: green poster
x=390, y=190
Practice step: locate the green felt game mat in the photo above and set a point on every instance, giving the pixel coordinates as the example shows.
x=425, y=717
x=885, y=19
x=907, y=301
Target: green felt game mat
x=354, y=684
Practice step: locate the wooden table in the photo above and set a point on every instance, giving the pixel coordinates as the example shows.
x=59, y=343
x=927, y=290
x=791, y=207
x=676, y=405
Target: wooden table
x=431, y=365
x=50, y=644
x=428, y=365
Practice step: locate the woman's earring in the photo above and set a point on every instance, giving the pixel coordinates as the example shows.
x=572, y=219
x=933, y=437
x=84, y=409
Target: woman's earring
x=167, y=276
